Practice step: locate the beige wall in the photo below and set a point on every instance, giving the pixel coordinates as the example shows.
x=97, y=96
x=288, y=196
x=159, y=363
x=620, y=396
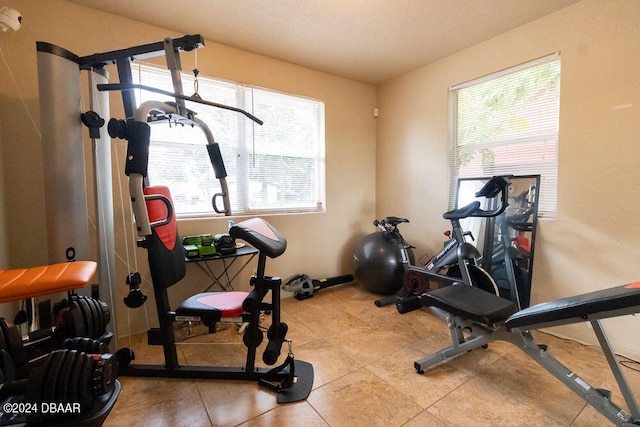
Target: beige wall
x=594, y=241
x=318, y=244
x=7, y=310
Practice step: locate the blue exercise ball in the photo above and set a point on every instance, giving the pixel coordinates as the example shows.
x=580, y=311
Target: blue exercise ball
x=377, y=263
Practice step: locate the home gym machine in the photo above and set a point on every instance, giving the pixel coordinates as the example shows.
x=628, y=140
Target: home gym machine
x=292, y=379
x=476, y=318
x=157, y=230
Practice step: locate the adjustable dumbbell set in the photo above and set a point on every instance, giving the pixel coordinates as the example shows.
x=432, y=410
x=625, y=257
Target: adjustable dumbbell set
x=59, y=375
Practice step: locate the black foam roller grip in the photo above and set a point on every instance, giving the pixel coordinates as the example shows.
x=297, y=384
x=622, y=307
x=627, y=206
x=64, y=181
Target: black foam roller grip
x=252, y=302
x=277, y=335
x=216, y=160
x=138, y=134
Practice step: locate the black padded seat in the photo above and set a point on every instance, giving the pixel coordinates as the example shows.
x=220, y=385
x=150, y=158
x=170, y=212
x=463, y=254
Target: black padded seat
x=470, y=302
x=586, y=306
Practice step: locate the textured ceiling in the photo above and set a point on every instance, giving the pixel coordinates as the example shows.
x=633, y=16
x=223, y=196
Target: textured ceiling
x=370, y=41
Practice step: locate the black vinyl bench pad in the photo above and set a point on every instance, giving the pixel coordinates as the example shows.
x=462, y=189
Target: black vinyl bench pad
x=475, y=304
x=590, y=306
x=470, y=302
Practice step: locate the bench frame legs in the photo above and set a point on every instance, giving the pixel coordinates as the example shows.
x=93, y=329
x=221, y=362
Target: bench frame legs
x=468, y=335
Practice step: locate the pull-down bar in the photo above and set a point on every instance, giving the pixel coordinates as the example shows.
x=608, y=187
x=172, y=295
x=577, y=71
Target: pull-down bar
x=123, y=57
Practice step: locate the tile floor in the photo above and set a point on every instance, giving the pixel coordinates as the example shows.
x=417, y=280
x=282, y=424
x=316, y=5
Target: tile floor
x=363, y=361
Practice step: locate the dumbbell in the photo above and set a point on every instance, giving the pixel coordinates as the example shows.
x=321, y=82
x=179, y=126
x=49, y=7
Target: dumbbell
x=13, y=356
x=70, y=379
x=82, y=316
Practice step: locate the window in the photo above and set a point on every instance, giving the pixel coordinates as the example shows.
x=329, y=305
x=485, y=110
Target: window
x=276, y=167
x=507, y=124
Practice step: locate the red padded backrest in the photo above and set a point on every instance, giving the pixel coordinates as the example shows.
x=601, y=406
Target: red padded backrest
x=165, y=251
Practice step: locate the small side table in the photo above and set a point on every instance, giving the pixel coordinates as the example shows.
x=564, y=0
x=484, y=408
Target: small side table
x=227, y=261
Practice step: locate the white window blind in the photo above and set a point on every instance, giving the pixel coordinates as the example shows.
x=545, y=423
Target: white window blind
x=507, y=124
x=276, y=167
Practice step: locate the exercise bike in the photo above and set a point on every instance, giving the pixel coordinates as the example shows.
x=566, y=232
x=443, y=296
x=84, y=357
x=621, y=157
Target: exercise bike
x=459, y=260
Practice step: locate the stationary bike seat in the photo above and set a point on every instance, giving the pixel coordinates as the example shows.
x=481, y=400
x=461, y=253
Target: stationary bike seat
x=394, y=220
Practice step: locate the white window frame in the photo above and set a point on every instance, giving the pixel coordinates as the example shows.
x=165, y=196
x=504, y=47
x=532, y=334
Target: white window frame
x=243, y=144
x=518, y=138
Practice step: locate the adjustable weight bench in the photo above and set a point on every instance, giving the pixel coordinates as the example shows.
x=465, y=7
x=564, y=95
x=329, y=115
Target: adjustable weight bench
x=476, y=318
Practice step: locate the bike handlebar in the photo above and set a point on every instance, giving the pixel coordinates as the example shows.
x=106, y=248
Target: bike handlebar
x=496, y=186
x=493, y=187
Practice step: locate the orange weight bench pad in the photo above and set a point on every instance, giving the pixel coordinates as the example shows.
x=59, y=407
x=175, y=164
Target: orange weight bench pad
x=22, y=283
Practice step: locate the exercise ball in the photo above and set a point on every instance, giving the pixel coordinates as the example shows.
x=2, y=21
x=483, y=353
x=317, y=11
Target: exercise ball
x=377, y=263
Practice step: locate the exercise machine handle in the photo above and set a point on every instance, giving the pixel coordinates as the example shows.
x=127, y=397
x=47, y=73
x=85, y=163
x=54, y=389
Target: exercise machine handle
x=494, y=186
x=225, y=202
x=169, y=206
x=138, y=205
